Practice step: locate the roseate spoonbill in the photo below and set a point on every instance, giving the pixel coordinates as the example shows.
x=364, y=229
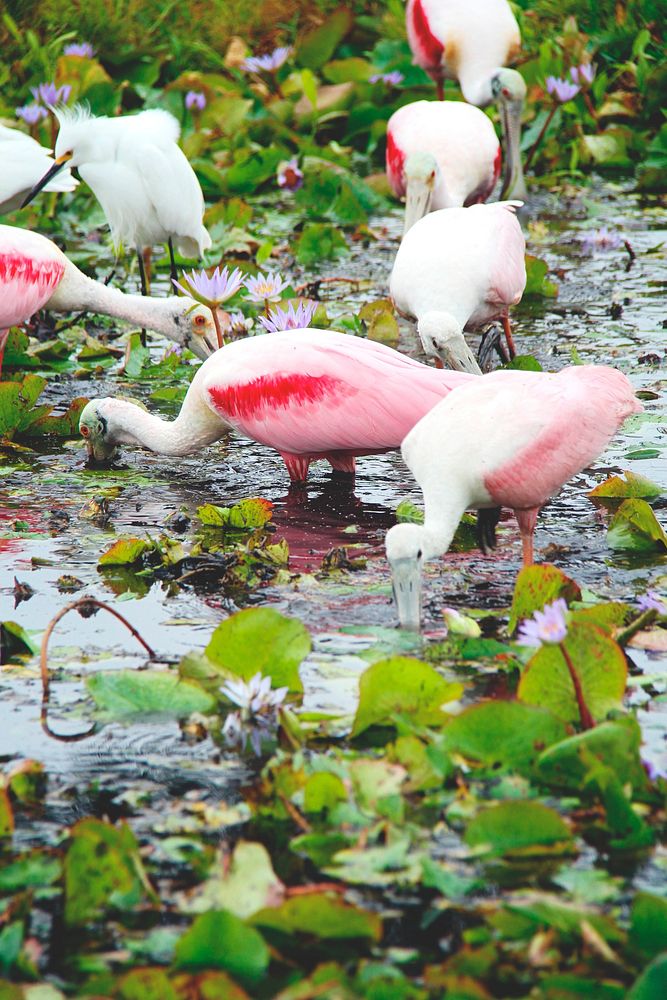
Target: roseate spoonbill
x=307, y=393
x=507, y=439
x=24, y=161
x=140, y=176
x=472, y=41
x=441, y=154
x=36, y=274
x=457, y=269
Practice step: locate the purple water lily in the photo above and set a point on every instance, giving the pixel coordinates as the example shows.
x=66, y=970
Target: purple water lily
x=50, y=94
x=652, y=601
x=290, y=177
x=601, y=239
x=547, y=626
x=195, y=100
x=562, y=90
x=391, y=79
x=82, y=49
x=236, y=325
x=211, y=289
x=268, y=63
x=266, y=287
x=290, y=318
x=31, y=113
x=585, y=73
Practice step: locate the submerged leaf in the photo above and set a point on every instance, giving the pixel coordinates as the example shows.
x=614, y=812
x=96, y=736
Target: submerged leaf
x=512, y=827
x=121, y=693
x=323, y=916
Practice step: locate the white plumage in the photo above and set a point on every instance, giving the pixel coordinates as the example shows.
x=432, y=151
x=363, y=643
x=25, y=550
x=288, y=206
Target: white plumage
x=23, y=162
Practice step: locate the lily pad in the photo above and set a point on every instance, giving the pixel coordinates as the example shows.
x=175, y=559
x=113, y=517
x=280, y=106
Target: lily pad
x=242, y=886
x=124, y=552
x=630, y=487
x=220, y=940
x=514, y=827
x=261, y=639
x=635, y=527
x=536, y=586
x=380, y=322
x=600, y=668
x=565, y=764
x=14, y=641
x=321, y=915
x=402, y=686
x=648, y=924
x=122, y=693
x=652, y=983
x=537, y=283
x=254, y=512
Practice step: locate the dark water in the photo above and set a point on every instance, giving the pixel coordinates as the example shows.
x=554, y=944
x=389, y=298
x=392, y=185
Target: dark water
x=610, y=309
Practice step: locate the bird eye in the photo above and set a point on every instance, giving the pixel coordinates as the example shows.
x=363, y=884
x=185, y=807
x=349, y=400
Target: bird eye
x=85, y=431
x=506, y=92
x=419, y=553
x=200, y=320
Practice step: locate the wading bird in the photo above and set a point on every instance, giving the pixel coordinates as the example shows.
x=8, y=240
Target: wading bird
x=472, y=41
x=458, y=269
x=36, y=274
x=507, y=439
x=139, y=175
x=441, y=154
x=309, y=394
x=24, y=162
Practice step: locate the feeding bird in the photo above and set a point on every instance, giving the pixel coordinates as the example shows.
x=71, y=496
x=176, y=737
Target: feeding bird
x=507, y=439
x=458, y=269
x=441, y=154
x=309, y=394
x=140, y=176
x=472, y=41
x=36, y=274
x=24, y=162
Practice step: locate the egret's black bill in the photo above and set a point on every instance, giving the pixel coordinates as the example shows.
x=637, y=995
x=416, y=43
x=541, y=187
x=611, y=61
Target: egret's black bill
x=51, y=172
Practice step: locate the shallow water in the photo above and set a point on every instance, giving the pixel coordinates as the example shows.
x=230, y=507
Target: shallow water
x=49, y=490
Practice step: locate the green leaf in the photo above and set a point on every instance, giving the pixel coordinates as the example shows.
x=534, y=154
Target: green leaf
x=320, y=241
x=503, y=734
x=219, y=940
x=122, y=693
x=103, y=871
x=242, y=887
x=648, y=924
x=323, y=916
x=6, y=814
x=537, y=283
x=137, y=356
x=536, y=586
x=652, y=983
x=634, y=526
x=11, y=940
x=251, y=513
x=60, y=424
x=515, y=827
x=17, y=404
x=145, y=984
x=14, y=641
x=633, y=486
x=409, y=513
x=523, y=363
x=616, y=743
x=261, y=639
x=124, y=552
x=323, y=791
x=29, y=871
x=317, y=46
x=402, y=686
x=599, y=664
x=380, y=322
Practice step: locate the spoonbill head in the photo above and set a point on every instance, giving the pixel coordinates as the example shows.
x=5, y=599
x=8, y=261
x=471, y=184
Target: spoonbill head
x=442, y=338
x=507, y=439
x=473, y=43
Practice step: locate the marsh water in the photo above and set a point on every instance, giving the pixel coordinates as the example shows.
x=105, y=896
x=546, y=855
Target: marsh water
x=610, y=309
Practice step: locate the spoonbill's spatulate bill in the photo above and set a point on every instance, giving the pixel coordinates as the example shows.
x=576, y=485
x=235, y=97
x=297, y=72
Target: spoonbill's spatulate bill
x=36, y=274
x=507, y=439
x=473, y=41
x=23, y=162
x=309, y=394
x=441, y=154
x=458, y=269
x=139, y=175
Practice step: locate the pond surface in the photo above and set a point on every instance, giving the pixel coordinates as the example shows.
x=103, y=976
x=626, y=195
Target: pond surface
x=610, y=309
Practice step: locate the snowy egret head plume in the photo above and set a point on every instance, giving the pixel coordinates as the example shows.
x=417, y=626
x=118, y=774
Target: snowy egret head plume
x=404, y=548
x=77, y=142
x=442, y=338
x=421, y=175
x=509, y=90
x=96, y=426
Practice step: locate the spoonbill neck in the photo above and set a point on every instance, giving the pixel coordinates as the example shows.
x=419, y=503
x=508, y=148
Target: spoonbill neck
x=195, y=426
x=77, y=291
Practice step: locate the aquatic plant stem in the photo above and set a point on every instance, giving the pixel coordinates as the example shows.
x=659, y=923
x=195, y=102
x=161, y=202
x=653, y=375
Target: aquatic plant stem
x=218, y=329
x=585, y=716
x=533, y=148
x=80, y=605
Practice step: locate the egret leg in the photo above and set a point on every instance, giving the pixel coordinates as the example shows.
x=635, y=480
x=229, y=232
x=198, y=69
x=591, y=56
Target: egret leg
x=507, y=327
x=172, y=263
x=145, y=280
x=527, y=520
